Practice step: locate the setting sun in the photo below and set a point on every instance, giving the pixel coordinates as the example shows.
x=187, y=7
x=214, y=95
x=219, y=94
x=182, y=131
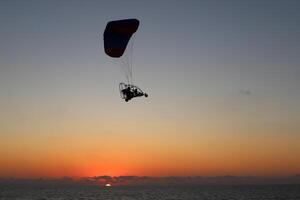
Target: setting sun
x=107, y=185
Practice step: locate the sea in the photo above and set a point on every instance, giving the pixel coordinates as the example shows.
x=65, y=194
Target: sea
x=253, y=192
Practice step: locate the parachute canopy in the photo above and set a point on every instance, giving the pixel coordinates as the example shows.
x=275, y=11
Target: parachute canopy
x=117, y=35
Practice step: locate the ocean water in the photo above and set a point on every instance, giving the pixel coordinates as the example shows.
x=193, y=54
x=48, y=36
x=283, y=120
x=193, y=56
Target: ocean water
x=275, y=192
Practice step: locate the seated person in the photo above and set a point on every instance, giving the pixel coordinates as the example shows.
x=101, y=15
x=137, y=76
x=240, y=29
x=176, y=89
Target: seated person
x=128, y=94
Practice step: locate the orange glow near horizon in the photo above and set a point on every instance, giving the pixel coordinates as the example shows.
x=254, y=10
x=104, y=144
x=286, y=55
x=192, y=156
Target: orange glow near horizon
x=147, y=145
x=205, y=156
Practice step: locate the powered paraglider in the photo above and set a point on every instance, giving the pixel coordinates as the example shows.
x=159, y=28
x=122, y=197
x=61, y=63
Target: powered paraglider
x=118, y=44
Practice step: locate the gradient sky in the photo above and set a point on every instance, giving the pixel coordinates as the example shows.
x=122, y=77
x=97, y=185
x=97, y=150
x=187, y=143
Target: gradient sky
x=222, y=77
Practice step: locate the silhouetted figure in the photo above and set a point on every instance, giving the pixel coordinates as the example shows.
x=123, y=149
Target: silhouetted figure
x=128, y=94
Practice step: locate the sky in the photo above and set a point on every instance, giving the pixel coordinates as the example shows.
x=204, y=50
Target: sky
x=222, y=79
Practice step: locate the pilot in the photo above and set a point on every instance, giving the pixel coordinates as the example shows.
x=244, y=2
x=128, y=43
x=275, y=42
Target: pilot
x=127, y=93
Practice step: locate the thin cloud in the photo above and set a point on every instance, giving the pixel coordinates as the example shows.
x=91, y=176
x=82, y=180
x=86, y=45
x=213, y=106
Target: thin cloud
x=246, y=92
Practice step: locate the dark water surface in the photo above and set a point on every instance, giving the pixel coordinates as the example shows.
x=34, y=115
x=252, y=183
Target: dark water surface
x=282, y=192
